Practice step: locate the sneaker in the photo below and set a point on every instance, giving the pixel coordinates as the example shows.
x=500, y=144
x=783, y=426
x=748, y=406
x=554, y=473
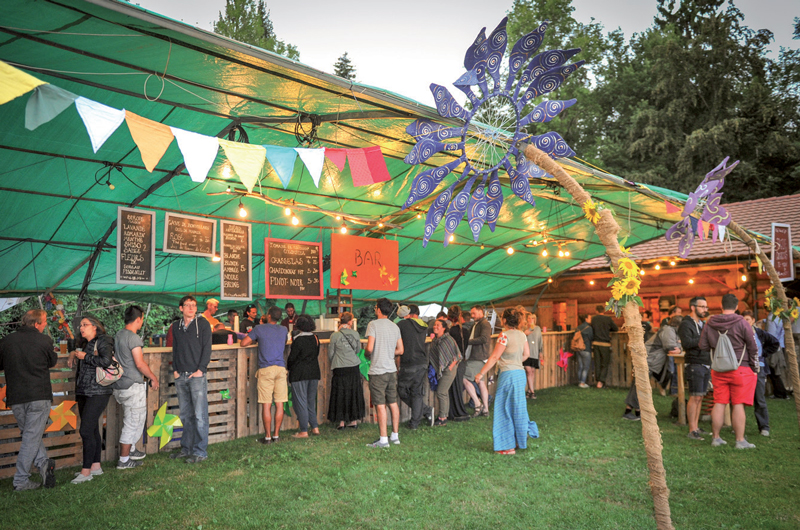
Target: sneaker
x=93, y=472
x=439, y=423
x=695, y=435
x=412, y=426
x=265, y=441
x=130, y=464
x=180, y=454
x=48, y=472
x=80, y=478
x=137, y=455
x=395, y=441
x=744, y=444
x=716, y=442
x=701, y=431
x=583, y=385
x=631, y=416
x=28, y=486
x=380, y=445
x=765, y=432
x=196, y=459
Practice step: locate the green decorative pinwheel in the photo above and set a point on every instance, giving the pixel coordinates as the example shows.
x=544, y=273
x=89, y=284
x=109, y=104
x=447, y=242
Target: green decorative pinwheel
x=163, y=424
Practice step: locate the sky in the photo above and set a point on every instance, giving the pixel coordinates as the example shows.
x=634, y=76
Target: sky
x=406, y=49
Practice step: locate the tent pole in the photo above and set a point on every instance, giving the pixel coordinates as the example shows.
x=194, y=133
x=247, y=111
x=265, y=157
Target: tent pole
x=100, y=244
x=607, y=230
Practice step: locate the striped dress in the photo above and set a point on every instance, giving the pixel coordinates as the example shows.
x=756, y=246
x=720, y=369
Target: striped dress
x=511, y=425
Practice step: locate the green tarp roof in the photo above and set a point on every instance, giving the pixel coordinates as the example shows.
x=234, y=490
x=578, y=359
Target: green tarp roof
x=54, y=210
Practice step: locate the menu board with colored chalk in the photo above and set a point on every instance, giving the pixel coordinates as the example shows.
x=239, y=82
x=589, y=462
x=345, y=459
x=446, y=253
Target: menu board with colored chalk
x=186, y=234
x=293, y=269
x=136, y=246
x=236, y=269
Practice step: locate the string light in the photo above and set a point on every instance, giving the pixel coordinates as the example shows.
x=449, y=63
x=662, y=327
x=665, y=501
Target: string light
x=380, y=225
x=658, y=267
x=451, y=238
x=544, y=252
x=535, y=242
x=338, y=217
x=343, y=229
x=672, y=263
x=419, y=216
x=591, y=282
x=242, y=211
x=376, y=193
x=510, y=250
x=549, y=280
x=295, y=220
x=641, y=271
x=691, y=280
x=744, y=277
x=287, y=212
x=566, y=253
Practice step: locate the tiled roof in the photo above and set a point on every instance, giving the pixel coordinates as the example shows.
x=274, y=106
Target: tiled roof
x=756, y=215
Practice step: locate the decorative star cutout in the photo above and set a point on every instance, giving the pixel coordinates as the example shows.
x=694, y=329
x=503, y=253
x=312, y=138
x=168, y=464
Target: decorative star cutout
x=382, y=272
x=563, y=358
x=391, y=280
x=62, y=416
x=343, y=278
x=355, y=274
x=163, y=424
x=225, y=394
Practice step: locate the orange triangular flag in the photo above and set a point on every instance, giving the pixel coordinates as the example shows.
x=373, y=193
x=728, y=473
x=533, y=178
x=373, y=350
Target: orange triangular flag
x=152, y=138
x=706, y=226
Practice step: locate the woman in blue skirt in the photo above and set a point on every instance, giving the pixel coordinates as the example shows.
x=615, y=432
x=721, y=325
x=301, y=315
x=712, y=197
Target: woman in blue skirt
x=511, y=425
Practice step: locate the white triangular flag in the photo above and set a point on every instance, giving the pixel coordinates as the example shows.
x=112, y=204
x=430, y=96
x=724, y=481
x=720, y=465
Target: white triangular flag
x=722, y=232
x=198, y=150
x=100, y=120
x=313, y=159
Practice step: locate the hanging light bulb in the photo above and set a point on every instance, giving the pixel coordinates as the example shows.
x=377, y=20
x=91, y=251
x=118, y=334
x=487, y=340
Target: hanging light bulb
x=560, y=253
x=110, y=186
x=672, y=263
x=566, y=253
x=545, y=241
x=338, y=217
x=229, y=189
x=591, y=282
x=451, y=238
x=287, y=212
x=419, y=216
x=295, y=220
x=481, y=247
x=535, y=242
x=544, y=252
x=641, y=271
x=744, y=277
x=380, y=225
x=510, y=250
x=658, y=267
x=549, y=280
x=242, y=211
x=343, y=229
x=691, y=280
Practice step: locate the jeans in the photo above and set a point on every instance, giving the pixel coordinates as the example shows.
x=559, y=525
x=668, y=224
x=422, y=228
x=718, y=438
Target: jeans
x=443, y=391
x=304, y=402
x=193, y=401
x=411, y=390
x=584, y=362
x=602, y=359
x=760, y=402
x=31, y=418
x=90, y=409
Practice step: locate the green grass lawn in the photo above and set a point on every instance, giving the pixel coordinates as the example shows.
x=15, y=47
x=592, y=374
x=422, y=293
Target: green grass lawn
x=587, y=470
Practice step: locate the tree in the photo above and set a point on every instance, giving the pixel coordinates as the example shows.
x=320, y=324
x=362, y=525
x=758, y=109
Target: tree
x=248, y=21
x=344, y=68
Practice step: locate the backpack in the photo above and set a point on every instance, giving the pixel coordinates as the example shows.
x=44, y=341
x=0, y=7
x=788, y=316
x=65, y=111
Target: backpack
x=723, y=358
x=577, y=344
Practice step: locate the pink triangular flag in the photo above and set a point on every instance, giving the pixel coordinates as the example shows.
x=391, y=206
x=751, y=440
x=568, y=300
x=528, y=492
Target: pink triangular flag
x=671, y=208
x=377, y=165
x=337, y=156
x=359, y=169
x=714, y=232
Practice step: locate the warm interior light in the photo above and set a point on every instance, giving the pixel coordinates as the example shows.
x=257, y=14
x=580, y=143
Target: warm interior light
x=242, y=211
x=226, y=173
x=744, y=277
x=691, y=280
x=641, y=271
x=215, y=258
x=343, y=229
x=295, y=220
x=560, y=253
x=287, y=212
x=544, y=253
x=658, y=267
x=549, y=280
x=535, y=243
x=419, y=216
x=510, y=250
x=566, y=253
x=591, y=282
x=380, y=225
x=672, y=263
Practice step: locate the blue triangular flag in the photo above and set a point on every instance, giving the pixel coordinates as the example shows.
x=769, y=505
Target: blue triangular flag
x=46, y=102
x=282, y=161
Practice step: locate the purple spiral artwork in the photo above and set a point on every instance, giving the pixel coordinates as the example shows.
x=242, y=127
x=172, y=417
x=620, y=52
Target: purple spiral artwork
x=484, y=149
x=707, y=196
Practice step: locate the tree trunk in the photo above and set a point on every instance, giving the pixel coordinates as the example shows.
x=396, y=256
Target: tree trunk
x=791, y=356
x=607, y=230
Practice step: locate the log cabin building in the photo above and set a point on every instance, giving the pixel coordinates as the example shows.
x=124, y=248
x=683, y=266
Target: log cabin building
x=712, y=269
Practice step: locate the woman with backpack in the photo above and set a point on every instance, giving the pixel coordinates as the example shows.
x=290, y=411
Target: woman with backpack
x=95, y=349
x=346, y=404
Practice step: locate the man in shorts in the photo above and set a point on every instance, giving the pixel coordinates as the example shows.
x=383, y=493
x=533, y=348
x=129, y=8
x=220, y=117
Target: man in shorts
x=737, y=387
x=384, y=343
x=698, y=371
x=272, y=387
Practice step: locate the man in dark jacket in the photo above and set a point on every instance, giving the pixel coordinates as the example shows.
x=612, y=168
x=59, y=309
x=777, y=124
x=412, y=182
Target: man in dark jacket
x=736, y=387
x=697, y=362
x=767, y=345
x=478, y=351
x=413, y=368
x=602, y=326
x=191, y=353
x=26, y=356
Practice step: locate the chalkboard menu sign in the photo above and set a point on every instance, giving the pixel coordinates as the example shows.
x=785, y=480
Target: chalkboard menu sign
x=293, y=269
x=185, y=234
x=237, y=258
x=136, y=246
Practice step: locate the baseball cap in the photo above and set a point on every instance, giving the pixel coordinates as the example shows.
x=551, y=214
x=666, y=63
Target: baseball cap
x=403, y=311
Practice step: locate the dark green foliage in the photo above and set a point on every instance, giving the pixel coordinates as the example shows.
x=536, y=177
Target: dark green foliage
x=248, y=21
x=344, y=67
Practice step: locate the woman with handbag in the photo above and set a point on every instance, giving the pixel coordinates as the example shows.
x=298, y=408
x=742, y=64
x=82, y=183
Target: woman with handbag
x=346, y=404
x=95, y=350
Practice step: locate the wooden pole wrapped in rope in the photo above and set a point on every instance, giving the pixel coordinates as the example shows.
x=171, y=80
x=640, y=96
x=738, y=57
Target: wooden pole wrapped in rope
x=607, y=230
x=780, y=292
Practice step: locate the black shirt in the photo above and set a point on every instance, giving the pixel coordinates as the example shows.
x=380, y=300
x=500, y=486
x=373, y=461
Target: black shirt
x=27, y=356
x=602, y=326
x=303, y=361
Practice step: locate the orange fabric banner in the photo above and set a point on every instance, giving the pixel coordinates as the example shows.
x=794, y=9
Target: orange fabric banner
x=152, y=138
x=364, y=263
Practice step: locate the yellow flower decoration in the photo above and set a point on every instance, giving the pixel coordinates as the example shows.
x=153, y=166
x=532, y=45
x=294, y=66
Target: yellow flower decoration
x=768, y=292
x=794, y=314
x=796, y=301
x=629, y=286
x=777, y=312
x=616, y=291
x=628, y=267
x=591, y=211
x=624, y=250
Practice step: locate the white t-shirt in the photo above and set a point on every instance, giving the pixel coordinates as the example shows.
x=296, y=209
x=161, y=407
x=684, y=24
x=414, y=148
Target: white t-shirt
x=386, y=335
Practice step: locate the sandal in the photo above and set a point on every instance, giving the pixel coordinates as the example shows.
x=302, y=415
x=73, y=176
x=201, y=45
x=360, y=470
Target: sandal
x=300, y=435
x=353, y=426
x=506, y=452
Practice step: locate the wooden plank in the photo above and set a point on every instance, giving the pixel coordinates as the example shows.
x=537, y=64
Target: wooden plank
x=241, y=394
x=153, y=399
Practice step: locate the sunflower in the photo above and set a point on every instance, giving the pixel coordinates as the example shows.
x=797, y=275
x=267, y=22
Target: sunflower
x=796, y=301
x=794, y=314
x=777, y=312
x=768, y=292
x=628, y=267
x=592, y=211
x=629, y=286
x=623, y=249
x=616, y=291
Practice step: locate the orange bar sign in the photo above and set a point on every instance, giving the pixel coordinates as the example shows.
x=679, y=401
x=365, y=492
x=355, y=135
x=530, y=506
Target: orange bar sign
x=364, y=263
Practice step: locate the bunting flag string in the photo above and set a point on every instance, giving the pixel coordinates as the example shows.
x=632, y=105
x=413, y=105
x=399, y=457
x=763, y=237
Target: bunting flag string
x=152, y=138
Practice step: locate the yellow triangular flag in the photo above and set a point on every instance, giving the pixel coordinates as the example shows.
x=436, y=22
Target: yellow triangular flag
x=152, y=138
x=247, y=160
x=14, y=82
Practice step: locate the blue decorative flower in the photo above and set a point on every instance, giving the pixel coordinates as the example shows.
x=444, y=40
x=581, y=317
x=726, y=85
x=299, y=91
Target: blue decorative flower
x=487, y=149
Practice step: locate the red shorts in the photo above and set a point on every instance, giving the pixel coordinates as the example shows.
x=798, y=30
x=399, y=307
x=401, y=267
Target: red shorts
x=736, y=388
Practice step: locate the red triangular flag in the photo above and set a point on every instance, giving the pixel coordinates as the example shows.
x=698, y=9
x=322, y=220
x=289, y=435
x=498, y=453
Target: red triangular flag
x=377, y=165
x=671, y=208
x=359, y=169
x=337, y=156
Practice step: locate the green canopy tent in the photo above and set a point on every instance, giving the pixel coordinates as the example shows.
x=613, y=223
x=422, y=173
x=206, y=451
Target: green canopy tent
x=57, y=231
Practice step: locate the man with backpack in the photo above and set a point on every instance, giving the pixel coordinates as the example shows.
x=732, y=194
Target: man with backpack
x=735, y=382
